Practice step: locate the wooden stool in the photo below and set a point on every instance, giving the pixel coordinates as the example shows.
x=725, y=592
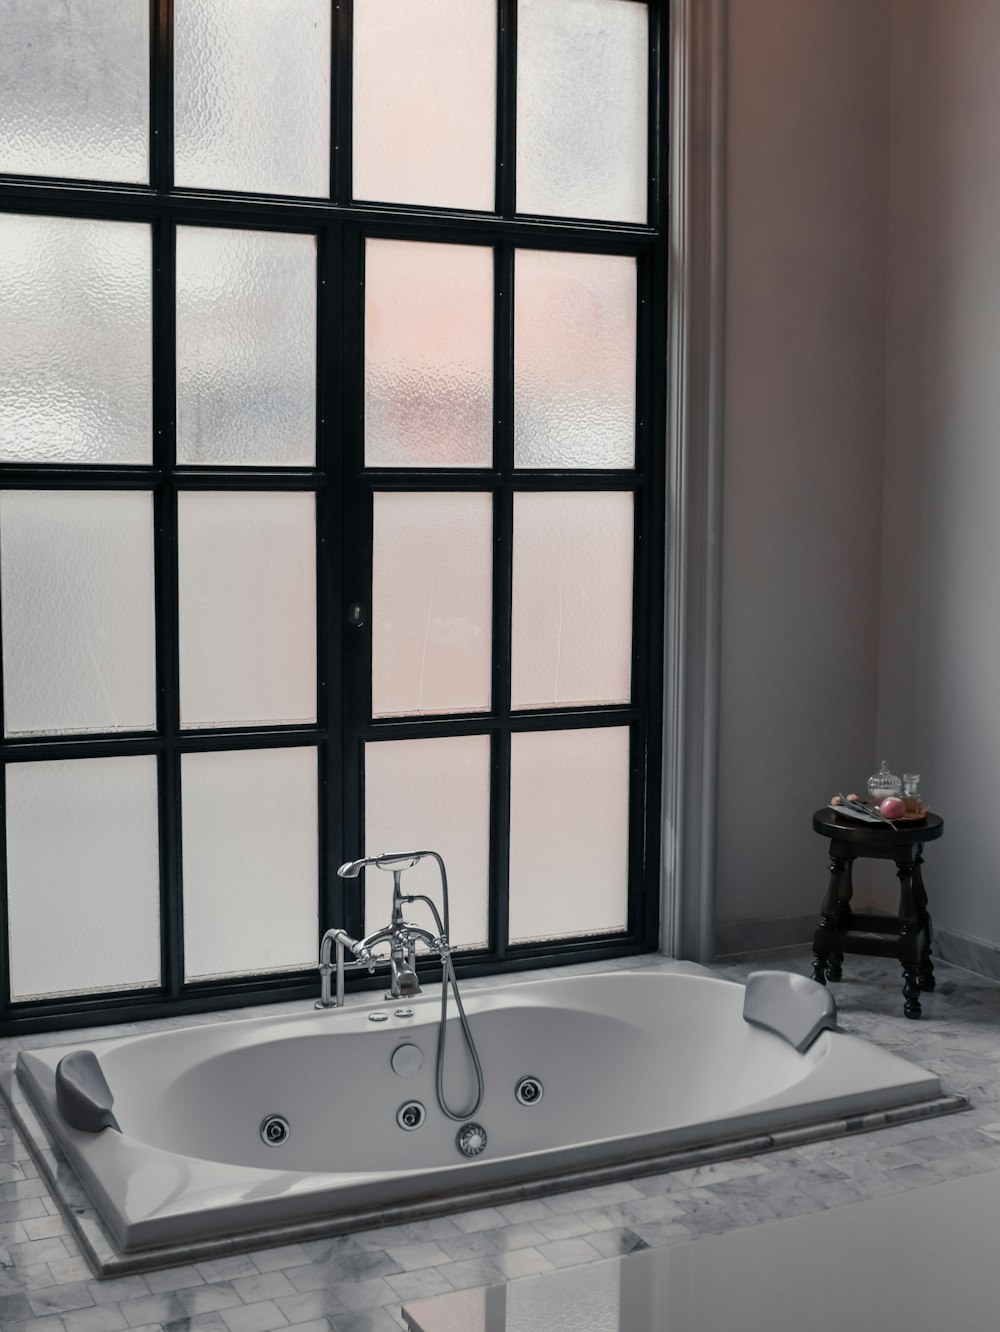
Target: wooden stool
x=843, y=931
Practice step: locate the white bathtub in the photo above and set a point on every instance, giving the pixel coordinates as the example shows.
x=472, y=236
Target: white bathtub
x=635, y=1064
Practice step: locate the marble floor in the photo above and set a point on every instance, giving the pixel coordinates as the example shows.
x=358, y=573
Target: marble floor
x=357, y=1283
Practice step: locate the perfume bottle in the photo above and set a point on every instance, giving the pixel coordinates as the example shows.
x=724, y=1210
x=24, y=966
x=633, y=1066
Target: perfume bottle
x=911, y=792
x=882, y=784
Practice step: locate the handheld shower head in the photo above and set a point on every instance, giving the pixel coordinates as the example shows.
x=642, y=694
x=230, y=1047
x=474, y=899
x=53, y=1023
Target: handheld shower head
x=388, y=860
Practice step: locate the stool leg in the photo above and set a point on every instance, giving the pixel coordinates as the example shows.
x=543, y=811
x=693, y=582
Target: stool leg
x=825, y=938
x=910, y=937
x=927, y=981
x=835, y=964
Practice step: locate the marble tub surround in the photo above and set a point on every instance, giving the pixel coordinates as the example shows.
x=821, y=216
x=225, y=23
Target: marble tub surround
x=358, y=1282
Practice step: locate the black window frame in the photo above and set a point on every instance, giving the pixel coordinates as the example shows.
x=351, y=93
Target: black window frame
x=343, y=489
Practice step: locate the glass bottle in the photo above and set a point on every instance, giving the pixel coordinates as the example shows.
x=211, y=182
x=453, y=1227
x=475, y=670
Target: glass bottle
x=911, y=792
x=882, y=784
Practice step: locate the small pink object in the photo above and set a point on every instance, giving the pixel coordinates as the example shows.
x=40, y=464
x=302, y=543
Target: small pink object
x=892, y=808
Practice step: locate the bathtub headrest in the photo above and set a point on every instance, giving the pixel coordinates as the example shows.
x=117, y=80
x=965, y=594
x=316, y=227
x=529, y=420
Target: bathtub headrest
x=82, y=1093
x=793, y=1007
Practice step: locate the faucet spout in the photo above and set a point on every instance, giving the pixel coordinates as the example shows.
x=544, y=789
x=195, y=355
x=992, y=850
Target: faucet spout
x=404, y=978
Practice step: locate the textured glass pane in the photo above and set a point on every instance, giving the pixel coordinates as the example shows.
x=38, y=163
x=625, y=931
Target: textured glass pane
x=425, y=101
x=431, y=603
x=431, y=794
x=428, y=355
x=250, y=861
x=75, y=340
x=574, y=359
x=247, y=570
x=252, y=95
x=572, y=625
x=246, y=348
x=582, y=90
x=82, y=875
x=74, y=88
x=568, y=833
x=76, y=569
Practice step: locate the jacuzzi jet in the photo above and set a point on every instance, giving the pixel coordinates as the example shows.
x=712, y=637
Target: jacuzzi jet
x=529, y=1091
x=274, y=1130
x=471, y=1140
x=410, y=1115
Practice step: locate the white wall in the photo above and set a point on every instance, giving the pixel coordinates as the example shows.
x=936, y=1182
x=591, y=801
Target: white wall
x=940, y=652
x=808, y=174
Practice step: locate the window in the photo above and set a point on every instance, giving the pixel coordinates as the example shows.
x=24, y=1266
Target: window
x=331, y=435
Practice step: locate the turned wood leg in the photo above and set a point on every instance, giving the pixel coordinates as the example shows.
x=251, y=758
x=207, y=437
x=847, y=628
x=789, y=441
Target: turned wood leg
x=926, y=977
x=827, y=958
x=845, y=891
x=910, y=939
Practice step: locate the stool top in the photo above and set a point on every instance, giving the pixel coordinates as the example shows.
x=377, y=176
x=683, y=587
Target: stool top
x=842, y=828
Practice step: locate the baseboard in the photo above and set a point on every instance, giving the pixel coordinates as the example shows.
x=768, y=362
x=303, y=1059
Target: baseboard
x=733, y=938
x=736, y=938
x=973, y=955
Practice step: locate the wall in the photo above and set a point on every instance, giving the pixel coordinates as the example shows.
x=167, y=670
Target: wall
x=807, y=184
x=940, y=653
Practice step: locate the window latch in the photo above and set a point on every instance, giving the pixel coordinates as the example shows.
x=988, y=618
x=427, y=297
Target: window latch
x=355, y=614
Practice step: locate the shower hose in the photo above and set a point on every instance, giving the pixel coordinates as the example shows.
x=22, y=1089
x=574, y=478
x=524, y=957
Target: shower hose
x=448, y=978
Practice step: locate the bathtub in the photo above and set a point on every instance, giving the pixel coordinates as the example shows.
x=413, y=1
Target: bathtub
x=635, y=1066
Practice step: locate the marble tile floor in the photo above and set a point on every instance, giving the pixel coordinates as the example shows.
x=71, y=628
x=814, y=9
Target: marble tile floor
x=357, y=1283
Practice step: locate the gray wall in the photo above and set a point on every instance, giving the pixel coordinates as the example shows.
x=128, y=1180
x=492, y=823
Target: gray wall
x=808, y=176
x=940, y=652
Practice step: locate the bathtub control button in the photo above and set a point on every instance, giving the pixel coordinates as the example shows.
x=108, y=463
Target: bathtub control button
x=410, y=1115
x=471, y=1140
x=274, y=1130
x=403, y=1012
x=378, y=1017
x=529, y=1091
x=407, y=1060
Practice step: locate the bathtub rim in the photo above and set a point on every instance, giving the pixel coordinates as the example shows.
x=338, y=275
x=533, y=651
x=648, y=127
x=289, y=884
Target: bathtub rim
x=109, y=1258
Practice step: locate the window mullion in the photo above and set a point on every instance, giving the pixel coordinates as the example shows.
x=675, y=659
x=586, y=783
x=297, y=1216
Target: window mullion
x=165, y=575
x=331, y=541
x=161, y=95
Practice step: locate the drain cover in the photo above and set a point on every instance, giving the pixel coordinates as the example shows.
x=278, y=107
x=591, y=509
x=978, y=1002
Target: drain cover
x=471, y=1140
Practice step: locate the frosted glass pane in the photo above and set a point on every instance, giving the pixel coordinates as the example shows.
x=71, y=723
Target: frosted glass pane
x=431, y=794
x=82, y=876
x=568, y=833
x=425, y=101
x=74, y=89
x=574, y=359
x=76, y=572
x=252, y=95
x=251, y=895
x=75, y=340
x=431, y=603
x=428, y=355
x=572, y=620
x=246, y=348
x=582, y=96
x=247, y=585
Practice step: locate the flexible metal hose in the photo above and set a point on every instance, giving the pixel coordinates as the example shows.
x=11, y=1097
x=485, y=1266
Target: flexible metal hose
x=448, y=977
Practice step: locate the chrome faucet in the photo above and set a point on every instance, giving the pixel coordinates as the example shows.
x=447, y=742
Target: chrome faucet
x=343, y=941
x=401, y=937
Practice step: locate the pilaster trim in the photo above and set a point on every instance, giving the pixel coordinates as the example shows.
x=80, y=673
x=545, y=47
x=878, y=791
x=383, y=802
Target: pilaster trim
x=694, y=370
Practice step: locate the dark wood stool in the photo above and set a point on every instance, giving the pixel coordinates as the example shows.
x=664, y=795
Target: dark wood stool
x=843, y=931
